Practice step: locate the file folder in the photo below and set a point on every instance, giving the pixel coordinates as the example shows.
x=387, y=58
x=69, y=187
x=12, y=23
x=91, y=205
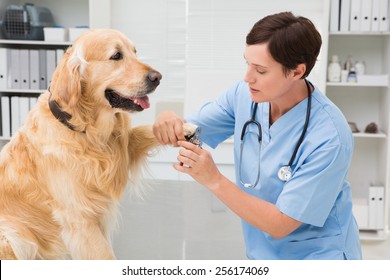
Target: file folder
x=4, y=66
x=376, y=207
x=33, y=101
x=59, y=55
x=15, y=118
x=5, y=117
x=383, y=15
x=42, y=70
x=375, y=15
x=366, y=14
x=15, y=69
x=24, y=66
x=334, y=21
x=371, y=209
x=24, y=108
x=34, y=69
x=380, y=206
x=50, y=65
x=345, y=14
x=1, y=125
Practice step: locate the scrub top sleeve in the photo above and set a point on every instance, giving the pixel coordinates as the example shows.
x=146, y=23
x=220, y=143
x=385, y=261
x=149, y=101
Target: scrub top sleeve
x=216, y=118
x=311, y=193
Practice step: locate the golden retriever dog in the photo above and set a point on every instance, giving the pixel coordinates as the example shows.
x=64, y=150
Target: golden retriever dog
x=62, y=175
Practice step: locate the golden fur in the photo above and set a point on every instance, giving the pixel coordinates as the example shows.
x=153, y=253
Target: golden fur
x=59, y=188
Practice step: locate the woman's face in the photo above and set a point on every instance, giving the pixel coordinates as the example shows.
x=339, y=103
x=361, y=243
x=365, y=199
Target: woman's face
x=265, y=76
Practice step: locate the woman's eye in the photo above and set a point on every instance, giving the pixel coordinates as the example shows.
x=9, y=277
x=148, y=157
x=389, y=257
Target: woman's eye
x=260, y=71
x=117, y=56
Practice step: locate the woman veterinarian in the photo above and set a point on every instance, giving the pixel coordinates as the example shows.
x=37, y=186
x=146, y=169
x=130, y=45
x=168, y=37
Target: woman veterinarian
x=292, y=147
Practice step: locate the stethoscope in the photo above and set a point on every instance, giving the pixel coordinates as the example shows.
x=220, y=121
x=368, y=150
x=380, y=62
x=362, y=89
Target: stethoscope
x=284, y=172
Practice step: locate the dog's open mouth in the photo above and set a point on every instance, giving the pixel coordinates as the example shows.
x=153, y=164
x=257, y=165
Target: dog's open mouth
x=129, y=104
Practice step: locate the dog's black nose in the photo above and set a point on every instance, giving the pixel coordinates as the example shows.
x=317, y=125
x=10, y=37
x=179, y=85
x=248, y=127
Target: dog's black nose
x=154, y=77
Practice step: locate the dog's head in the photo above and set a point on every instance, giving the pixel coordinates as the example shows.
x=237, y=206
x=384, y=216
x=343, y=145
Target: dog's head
x=102, y=69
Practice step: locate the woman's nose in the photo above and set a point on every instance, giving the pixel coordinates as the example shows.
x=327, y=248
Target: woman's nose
x=249, y=78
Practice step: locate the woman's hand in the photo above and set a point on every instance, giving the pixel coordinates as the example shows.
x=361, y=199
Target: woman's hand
x=199, y=164
x=168, y=128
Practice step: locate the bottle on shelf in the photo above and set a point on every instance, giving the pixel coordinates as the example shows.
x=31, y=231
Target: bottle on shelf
x=352, y=77
x=348, y=64
x=360, y=67
x=334, y=70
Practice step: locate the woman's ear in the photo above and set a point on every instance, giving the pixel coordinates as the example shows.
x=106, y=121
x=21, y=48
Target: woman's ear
x=299, y=71
x=66, y=81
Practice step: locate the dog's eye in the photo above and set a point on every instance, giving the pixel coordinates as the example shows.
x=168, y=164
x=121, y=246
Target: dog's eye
x=117, y=56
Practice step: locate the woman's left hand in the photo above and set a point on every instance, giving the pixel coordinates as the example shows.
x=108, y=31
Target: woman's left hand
x=198, y=163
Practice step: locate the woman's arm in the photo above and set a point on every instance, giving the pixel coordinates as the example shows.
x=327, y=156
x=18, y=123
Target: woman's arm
x=198, y=163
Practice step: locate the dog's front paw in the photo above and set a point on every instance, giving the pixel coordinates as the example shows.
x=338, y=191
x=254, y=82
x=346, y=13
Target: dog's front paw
x=189, y=130
x=191, y=133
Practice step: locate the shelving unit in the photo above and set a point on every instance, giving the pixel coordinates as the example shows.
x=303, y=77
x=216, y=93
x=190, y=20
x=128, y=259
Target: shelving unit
x=28, y=95
x=364, y=104
x=80, y=11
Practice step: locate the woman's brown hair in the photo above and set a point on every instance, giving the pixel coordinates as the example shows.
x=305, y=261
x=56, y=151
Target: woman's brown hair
x=291, y=40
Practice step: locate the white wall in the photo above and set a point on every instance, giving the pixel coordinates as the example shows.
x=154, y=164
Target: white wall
x=198, y=44
x=216, y=41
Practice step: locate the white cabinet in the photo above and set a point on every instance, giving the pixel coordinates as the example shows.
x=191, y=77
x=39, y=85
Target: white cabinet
x=25, y=73
x=22, y=80
x=16, y=99
x=363, y=103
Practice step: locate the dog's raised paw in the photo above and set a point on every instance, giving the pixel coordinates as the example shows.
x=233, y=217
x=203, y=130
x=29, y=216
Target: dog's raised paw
x=192, y=133
x=189, y=130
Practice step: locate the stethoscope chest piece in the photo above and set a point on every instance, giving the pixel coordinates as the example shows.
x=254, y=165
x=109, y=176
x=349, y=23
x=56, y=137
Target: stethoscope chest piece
x=284, y=173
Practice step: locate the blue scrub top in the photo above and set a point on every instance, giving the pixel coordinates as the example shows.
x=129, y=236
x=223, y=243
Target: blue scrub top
x=318, y=193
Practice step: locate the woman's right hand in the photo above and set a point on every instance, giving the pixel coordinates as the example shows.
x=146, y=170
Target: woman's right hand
x=168, y=128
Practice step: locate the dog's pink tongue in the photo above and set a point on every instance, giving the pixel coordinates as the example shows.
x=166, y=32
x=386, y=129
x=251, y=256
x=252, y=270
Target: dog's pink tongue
x=144, y=102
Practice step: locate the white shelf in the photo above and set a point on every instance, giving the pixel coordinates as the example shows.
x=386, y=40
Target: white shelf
x=33, y=42
x=330, y=84
x=38, y=91
x=373, y=235
x=349, y=33
x=380, y=135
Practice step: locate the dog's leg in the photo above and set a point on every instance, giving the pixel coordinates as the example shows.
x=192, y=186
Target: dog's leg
x=6, y=251
x=87, y=242
x=141, y=141
x=17, y=241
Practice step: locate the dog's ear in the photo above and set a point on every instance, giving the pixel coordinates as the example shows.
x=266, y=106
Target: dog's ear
x=66, y=80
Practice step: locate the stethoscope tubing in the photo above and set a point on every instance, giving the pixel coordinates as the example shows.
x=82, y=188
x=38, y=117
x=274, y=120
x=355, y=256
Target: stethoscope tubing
x=308, y=111
x=284, y=173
